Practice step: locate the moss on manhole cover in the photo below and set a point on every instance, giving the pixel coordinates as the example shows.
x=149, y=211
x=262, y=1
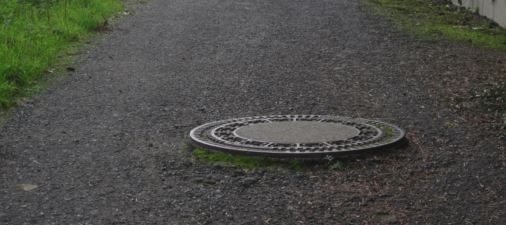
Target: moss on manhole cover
x=295, y=135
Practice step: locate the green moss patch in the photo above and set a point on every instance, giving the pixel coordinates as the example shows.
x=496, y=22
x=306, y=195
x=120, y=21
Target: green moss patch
x=256, y=162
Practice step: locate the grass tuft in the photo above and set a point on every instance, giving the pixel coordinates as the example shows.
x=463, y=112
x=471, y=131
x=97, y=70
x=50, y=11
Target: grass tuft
x=428, y=20
x=35, y=33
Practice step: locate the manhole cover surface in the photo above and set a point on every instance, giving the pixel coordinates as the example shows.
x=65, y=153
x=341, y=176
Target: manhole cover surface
x=295, y=135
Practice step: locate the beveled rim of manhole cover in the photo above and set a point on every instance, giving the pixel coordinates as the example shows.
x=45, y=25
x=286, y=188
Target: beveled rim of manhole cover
x=295, y=135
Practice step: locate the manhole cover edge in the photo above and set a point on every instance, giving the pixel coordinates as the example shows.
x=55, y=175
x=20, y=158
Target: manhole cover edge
x=396, y=135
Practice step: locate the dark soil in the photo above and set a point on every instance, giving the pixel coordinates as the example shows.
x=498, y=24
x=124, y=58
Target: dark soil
x=105, y=144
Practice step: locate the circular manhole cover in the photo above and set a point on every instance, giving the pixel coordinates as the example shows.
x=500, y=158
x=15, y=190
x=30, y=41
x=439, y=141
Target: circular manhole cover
x=295, y=135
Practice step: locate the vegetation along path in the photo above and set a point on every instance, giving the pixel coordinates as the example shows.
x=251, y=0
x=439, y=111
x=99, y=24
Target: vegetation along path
x=106, y=144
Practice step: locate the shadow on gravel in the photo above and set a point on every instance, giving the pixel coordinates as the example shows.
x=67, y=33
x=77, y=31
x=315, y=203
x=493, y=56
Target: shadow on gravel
x=4, y=154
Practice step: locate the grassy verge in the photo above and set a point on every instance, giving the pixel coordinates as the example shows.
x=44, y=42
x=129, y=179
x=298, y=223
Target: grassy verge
x=255, y=162
x=35, y=34
x=429, y=20
x=433, y=21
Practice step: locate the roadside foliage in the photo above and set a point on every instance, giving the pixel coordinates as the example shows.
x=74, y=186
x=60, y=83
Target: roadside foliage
x=34, y=35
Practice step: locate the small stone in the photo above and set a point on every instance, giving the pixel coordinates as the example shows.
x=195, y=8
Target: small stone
x=390, y=219
x=248, y=182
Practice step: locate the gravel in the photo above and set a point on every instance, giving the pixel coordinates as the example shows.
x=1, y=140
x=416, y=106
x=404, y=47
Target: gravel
x=107, y=144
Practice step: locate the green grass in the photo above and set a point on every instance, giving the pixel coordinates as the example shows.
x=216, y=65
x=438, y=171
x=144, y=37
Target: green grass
x=428, y=20
x=255, y=162
x=36, y=34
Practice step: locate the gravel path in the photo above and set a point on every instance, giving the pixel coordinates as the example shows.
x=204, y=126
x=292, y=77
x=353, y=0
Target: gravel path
x=105, y=144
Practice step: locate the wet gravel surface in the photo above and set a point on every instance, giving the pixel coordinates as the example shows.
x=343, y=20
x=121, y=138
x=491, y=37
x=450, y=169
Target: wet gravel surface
x=105, y=145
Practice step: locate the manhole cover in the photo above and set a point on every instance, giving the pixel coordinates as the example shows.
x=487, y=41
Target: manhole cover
x=295, y=135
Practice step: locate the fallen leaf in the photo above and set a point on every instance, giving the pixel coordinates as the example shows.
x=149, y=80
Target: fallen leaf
x=27, y=187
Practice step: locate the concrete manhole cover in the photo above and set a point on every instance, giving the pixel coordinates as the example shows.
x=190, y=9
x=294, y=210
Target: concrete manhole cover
x=295, y=135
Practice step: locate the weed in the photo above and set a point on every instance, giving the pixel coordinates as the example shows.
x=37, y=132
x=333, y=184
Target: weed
x=451, y=124
x=337, y=165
